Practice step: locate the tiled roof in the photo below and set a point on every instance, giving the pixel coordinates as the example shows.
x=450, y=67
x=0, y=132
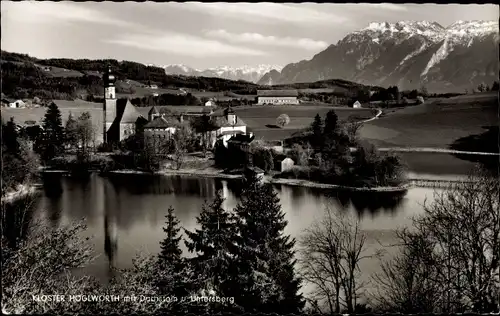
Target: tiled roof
x=221, y=121
x=161, y=122
x=177, y=109
x=125, y=111
x=277, y=93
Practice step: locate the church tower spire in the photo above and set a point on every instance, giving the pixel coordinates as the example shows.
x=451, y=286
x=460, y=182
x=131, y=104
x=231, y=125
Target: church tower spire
x=109, y=106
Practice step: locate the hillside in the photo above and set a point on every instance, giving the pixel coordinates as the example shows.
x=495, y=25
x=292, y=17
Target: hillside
x=406, y=54
x=23, y=76
x=26, y=77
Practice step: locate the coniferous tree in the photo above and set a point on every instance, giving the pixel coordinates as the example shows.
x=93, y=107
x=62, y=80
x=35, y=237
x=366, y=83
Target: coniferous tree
x=170, y=254
x=71, y=131
x=215, y=248
x=331, y=121
x=317, y=132
x=266, y=257
x=52, y=140
x=170, y=260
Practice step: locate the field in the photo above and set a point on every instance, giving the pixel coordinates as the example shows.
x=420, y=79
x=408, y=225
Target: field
x=436, y=163
x=60, y=72
x=436, y=124
x=141, y=91
x=76, y=108
x=261, y=119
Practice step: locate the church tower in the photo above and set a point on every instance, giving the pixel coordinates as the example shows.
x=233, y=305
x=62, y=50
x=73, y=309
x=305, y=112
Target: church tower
x=109, y=106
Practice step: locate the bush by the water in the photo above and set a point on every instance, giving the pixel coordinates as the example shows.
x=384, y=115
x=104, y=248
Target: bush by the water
x=75, y=163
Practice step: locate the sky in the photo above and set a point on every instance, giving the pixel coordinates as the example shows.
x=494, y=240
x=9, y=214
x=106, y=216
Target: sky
x=203, y=35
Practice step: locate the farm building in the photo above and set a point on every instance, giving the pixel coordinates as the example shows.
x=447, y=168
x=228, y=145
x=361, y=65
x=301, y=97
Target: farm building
x=277, y=97
x=356, y=105
x=17, y=104
x=210, y=103
x=283, y=163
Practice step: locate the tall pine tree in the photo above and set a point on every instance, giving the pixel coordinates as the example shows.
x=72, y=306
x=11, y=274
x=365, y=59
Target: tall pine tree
x=170, y=254
x=331, y=121
x=316, y=139
x=52, y=140
x=215, y=246
x=171, y=262
x=266, y=256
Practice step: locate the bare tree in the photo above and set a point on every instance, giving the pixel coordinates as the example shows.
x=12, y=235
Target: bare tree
x=461, y=233
x=181, y=140
x=330, y=253
x=85, y=132
x=351, y=129
x=41, y=265
x=282, y=120
x=405, y=283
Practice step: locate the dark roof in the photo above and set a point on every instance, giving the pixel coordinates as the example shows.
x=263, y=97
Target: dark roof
x=277, y=93
x=161, y=122
x=221, y=121
x=279, y=157
x=153, y=110
x=177, y=109
x=125, y=111
x=231, y=132
x=255, y=169
x=242, y=139
x=8, y=100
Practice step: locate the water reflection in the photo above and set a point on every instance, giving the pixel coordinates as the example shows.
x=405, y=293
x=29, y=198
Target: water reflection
x=130, y=209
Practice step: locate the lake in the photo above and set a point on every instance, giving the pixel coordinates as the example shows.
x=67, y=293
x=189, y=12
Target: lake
x=129, y=209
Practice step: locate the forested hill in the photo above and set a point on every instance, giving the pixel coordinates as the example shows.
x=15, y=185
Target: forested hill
x=24, y=76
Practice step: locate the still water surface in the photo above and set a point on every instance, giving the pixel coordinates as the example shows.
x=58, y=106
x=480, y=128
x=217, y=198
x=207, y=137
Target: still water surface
x=129, y=211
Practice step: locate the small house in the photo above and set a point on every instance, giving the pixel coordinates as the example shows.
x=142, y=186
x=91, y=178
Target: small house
x=17, y=104
x=6, y=102
x=356, y=105
x=283, y=163
x=210, y=103
x=256, y=171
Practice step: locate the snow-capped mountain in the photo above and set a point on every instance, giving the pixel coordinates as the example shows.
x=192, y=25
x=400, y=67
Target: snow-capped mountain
x=408, y=54
x=247, y=73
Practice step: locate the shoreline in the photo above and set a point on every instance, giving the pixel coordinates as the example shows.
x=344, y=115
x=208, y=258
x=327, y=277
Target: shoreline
x=412, y=182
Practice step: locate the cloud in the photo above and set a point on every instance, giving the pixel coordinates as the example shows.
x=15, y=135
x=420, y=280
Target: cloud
x=57, y=12
x=265, y=11
x=387, y=6
x=256, y=38
x=183, y=44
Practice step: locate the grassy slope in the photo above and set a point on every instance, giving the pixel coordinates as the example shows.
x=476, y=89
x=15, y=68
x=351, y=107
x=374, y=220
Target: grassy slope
x=437, y=124
x=257, y=117
x=76, y=108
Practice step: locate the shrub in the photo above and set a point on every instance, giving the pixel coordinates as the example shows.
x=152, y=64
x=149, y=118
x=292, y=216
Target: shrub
x=282, y=120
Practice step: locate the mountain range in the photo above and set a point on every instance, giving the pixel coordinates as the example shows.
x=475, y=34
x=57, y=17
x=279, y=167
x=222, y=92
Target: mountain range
x=409, y=54
x=246, y=73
